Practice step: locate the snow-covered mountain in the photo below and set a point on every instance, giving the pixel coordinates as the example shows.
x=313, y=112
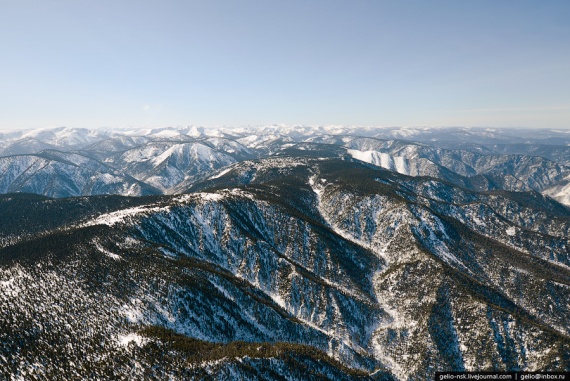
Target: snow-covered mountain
x=171, y=159
x=288, y=253
x=63, y=174
x=166, y=164
x=63, y=138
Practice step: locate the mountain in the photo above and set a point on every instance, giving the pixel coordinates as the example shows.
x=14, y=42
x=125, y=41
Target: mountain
x=64, y=174
x=364, y=272
x=166, y=164
x=62, y=138
x=491, y=171
x=168, y=160
x=296, y=254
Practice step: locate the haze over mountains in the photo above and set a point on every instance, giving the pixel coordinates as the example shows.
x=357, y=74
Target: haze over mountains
x=63, y=162
x=283, y=253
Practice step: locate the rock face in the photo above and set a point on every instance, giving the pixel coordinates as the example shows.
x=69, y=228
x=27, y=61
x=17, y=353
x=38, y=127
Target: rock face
x=309, y=262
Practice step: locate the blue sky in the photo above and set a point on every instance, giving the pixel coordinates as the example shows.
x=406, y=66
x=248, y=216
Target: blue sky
x=85, y=63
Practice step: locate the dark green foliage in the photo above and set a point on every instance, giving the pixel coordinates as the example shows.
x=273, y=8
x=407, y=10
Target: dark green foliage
x=442, y=331
x=227, y=285
x=197, y=351
x=23, y=213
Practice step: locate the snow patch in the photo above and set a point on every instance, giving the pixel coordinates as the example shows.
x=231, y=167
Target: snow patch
x=392, y=163
x=132, y=311
x=125, y=340
x=120, y=216
x=111, y=255
x=560, y=193
x=210, y=196
x=220, y=174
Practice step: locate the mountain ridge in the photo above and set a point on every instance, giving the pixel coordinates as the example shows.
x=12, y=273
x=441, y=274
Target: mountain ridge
x=305, y=263
x=535, y=160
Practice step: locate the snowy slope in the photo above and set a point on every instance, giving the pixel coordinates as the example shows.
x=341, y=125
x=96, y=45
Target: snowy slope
x=364, y=273
x=174, y=158
x=58, y=174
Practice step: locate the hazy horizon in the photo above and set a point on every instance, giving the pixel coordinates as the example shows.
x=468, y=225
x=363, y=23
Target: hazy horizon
x=132, y=129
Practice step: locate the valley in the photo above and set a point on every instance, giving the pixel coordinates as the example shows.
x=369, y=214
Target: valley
x=283, y=253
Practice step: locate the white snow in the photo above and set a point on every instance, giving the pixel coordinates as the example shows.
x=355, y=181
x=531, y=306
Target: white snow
x=120, y=216
x=107, y=178
x=200, y=196
x=210, y=196
x=166, y=134
x=10, y=286
x=137, y=155
x=111, y=255
x=220, y=174
x=241, y=193
x=401, y=165
x=125, y=340
x=132, y=311
x=560, y=193
x=392, y=163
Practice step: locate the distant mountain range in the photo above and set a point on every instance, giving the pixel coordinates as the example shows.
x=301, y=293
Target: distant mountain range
x=64, y=162
x=296, y=253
